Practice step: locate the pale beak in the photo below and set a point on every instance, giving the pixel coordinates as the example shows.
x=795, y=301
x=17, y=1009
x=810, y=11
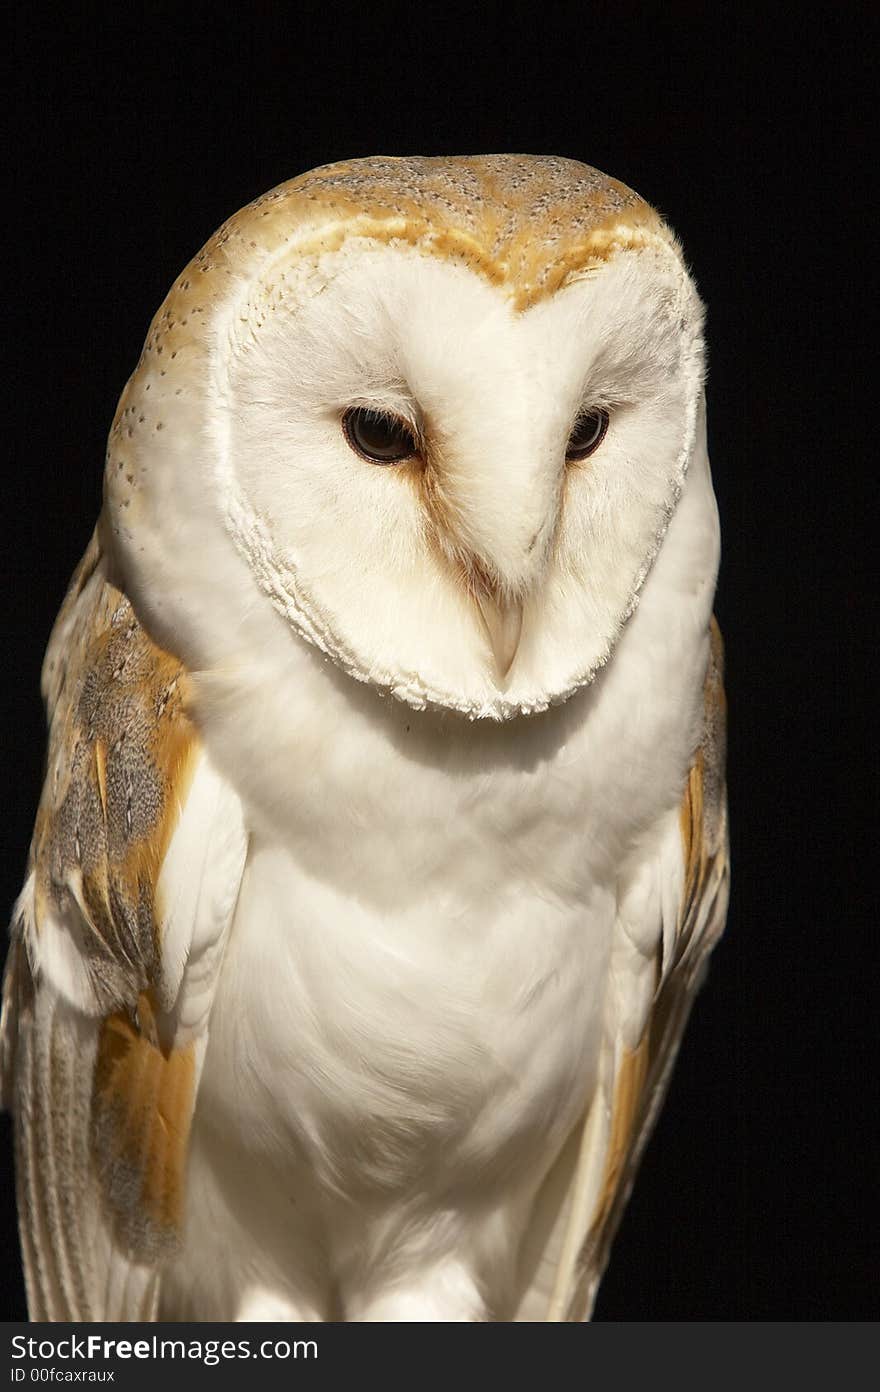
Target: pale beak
x=503, y=623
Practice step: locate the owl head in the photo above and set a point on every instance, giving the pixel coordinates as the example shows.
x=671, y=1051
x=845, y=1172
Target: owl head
x=432, y=415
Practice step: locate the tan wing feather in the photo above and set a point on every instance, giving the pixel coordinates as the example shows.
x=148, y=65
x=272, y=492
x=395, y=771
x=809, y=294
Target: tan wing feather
x=102, y=1098
x=644, y=1073
x=580, y=1205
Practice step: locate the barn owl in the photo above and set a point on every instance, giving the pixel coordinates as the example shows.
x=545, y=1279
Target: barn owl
x=383, y=835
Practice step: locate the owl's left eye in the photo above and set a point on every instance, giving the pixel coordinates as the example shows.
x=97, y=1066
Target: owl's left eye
x=380, y=438
x=587, y=435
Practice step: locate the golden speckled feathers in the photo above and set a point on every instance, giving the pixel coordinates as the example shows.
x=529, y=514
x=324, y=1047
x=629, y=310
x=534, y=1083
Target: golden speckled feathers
x=523, y=221
x=103, y=1097
x=121, y=749
x=142, y=1105
x=527, y=223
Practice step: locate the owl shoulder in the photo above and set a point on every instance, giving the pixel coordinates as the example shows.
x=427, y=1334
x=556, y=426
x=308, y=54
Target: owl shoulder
x=121, y=754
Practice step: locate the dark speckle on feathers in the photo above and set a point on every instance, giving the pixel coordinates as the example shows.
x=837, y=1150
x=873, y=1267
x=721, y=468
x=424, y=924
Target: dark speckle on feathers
x=119, y=739
x=92, y=1095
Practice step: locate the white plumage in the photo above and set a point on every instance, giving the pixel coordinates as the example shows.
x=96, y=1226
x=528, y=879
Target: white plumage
x=383, y=835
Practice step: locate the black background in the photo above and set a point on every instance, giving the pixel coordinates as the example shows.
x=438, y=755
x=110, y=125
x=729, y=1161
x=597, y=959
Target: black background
x=133, y=139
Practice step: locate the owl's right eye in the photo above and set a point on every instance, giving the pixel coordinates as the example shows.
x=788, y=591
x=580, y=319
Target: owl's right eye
x=378, y=437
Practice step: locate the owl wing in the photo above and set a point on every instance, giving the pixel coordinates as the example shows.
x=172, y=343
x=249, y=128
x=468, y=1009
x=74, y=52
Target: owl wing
x=669, y=918
x=118, y=935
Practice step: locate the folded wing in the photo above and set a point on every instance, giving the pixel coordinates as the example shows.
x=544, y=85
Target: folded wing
x=118, y=935
x=671, y=912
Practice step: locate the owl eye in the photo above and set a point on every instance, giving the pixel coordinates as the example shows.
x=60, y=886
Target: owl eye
x=588, y=434
x=381, y=438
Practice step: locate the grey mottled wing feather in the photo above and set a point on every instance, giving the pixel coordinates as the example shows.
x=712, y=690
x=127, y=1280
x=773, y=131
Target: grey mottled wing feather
x=98, y=1069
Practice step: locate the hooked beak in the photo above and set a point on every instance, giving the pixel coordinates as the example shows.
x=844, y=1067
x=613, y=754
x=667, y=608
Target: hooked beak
x=502, y=620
